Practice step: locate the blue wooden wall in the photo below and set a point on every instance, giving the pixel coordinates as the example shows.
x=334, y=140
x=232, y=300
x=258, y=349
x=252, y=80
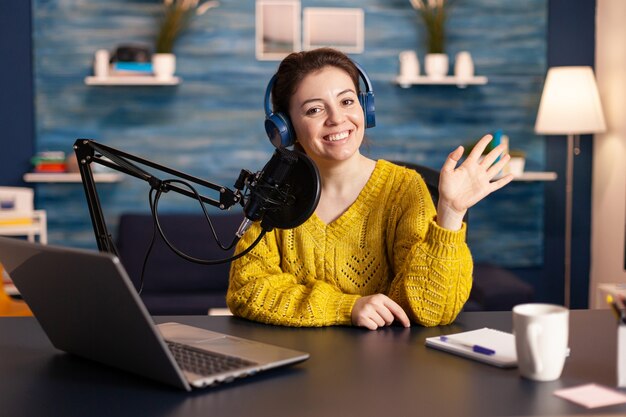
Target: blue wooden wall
x=211, y=125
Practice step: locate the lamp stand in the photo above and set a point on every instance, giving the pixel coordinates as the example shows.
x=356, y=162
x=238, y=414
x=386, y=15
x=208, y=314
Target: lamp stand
x=569, y=187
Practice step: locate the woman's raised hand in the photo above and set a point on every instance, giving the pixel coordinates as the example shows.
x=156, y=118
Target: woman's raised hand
x=463, y=186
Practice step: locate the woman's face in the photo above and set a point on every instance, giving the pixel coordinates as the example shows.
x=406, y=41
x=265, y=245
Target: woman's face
x=326, y=115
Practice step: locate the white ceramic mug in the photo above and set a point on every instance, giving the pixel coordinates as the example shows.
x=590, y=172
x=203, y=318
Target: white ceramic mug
x=541, y=339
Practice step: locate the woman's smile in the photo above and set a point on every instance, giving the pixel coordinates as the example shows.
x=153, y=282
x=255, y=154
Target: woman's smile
x=335, y=137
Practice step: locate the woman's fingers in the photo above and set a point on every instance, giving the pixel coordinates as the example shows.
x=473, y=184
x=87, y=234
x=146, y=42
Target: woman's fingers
x=496, y=185
x=388, y=311
x=398, y=312
x=493, y=170
x=490, y=158
x=479, y=148
x=385, y=314
x=378, y=310
x=452, y=159
x=371, y=324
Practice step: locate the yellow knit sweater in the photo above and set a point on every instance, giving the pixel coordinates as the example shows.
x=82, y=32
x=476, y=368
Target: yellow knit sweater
x=386, y=242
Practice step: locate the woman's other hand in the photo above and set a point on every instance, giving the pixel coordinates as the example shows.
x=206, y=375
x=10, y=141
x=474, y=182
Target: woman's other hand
x=463, y=186
x=378, y=310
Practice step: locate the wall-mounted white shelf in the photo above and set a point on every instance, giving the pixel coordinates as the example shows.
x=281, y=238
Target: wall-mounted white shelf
x=131, y=80
x=536, y=176
x=406, y=82
x=70, y=177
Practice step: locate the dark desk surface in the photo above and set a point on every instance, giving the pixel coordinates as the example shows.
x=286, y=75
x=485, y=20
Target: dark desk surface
x=351, y=372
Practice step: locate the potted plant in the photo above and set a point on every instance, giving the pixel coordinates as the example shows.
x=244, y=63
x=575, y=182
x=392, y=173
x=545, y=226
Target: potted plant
x=433, y=14
x=175, y=19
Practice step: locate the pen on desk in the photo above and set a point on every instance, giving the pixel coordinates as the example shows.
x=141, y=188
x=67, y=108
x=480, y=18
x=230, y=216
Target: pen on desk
x=475, y=348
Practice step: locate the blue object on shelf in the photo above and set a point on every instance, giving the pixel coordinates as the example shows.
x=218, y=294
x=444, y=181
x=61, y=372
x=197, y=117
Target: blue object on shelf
x=133, y=66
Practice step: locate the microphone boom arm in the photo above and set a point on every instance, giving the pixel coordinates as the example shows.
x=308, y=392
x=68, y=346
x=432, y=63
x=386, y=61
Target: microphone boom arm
x=88, y=152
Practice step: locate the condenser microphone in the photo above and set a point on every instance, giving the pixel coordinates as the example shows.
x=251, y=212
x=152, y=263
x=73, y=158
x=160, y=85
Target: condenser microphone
x=284, y=194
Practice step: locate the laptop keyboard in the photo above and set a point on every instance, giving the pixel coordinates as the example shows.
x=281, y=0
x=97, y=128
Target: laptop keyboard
x=205, y=363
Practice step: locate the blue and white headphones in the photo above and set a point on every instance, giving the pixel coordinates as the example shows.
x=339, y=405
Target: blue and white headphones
x=279, y=128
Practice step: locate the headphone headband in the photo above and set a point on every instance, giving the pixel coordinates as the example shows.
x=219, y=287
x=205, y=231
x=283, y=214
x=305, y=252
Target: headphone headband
x=278, y=125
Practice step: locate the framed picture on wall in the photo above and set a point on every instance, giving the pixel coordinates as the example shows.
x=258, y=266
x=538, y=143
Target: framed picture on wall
x=340, y=28
x=277, y=28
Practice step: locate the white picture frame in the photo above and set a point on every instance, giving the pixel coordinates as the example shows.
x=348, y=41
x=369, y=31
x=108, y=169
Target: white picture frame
x=339, y=28
x=278, y=29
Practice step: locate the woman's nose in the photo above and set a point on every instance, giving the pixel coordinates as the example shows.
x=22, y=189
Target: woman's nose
x=335, y=115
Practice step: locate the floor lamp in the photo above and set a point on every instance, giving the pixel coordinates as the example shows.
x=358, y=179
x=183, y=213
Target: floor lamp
x=570, y=105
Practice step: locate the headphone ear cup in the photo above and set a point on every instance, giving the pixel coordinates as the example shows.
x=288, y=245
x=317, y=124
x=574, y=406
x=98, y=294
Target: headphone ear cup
x=279, y=130
x=366, y=98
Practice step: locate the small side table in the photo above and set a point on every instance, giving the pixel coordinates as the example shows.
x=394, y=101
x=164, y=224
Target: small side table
x=38, y=227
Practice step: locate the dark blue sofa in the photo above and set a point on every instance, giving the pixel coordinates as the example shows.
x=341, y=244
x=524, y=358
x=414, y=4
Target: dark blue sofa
x=174, y=286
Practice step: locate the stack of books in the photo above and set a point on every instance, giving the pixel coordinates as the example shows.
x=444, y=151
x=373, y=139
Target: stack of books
x=49, y=162
x=127, y=68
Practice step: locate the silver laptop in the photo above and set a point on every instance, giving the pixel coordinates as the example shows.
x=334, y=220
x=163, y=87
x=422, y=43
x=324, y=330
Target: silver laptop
x=87, y=305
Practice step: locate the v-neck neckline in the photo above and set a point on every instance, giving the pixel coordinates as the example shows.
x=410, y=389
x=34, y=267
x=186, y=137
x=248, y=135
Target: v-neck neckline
x=361, y=206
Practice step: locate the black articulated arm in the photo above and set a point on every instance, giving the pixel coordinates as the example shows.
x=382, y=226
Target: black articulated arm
x=283, y=194
x=88, y=152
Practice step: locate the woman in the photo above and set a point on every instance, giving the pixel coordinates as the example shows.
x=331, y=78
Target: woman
x=375, y=251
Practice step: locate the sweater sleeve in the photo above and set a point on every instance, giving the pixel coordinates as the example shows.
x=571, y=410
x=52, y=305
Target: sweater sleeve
x=432, y=265
x=260, y=290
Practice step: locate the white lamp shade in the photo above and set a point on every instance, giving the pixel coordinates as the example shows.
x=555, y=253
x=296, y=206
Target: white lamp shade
x=570, y=103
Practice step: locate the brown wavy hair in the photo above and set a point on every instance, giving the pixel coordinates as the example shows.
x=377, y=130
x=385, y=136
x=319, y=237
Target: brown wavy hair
x=297, y=65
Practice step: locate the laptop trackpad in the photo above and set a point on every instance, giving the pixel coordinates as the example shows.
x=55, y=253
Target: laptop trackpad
x=181, y=333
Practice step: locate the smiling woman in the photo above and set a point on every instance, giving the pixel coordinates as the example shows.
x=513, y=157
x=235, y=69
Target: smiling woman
x=328, y=119
x=375, y=251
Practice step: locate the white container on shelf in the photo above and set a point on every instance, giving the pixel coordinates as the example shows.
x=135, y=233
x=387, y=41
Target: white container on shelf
x=164, y=66
x=409, y=64
x=436, y=65
x=464, y=66
x=101, y=63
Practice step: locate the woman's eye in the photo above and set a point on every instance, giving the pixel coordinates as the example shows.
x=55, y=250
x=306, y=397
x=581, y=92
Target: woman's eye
x=348, y=102
x=313, y=111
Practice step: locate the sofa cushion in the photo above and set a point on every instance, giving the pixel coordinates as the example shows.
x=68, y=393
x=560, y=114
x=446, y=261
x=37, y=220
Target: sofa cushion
x=169, y=276
x=498, y=289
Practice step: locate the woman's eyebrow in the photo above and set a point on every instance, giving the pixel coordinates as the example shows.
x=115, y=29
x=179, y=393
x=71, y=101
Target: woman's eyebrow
x=347, y=90
x=305, y=102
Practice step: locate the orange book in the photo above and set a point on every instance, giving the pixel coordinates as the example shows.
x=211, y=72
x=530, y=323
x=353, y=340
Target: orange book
x=15, y=221
x=50, y=167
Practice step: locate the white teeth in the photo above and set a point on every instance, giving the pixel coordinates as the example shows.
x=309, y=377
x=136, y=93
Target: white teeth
x=337, y=136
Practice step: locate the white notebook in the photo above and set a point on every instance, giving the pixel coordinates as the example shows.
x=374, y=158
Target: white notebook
x=486, y=345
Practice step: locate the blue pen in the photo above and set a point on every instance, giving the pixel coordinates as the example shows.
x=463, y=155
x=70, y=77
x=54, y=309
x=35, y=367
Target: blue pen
x=475, y=348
